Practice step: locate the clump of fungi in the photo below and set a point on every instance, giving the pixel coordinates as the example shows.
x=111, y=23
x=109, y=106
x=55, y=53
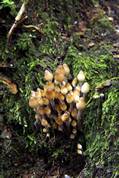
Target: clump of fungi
x=59, y=104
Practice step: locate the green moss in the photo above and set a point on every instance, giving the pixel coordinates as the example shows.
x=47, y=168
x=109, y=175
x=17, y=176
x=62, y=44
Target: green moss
x=24, y=42
x=101, y=131
x=31, y=55
x=100, y=118
x=96, y=63
x=103, y=26
x=9, y=4
x=105, y=23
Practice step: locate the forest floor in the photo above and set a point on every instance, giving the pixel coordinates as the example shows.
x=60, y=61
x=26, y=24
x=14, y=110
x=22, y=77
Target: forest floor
x=25, y=164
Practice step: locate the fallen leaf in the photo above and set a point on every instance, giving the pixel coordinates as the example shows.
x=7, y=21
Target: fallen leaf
x=11, y=86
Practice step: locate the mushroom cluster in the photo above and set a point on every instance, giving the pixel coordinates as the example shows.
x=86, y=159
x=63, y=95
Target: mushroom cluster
x=60, y=103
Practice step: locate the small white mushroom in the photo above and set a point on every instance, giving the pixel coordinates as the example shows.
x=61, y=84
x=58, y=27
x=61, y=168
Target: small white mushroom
x=72, y=136
x=45, y=130
x=47, y=135
x=74, y=131
x=66, y=176
x=85, y=88
x=81, y=76
x=79, y=152
x=79, y=146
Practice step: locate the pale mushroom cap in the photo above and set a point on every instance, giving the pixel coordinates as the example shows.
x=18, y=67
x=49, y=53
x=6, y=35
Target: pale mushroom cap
x=69, y=87
x=60, y=69
x=79, y=152
x=74, y=131
x=73, y=123
x=47, y=110
x=40, y=111
x=33, y=102
x=45, y=101
x=56, y=82
x=79, y=146
x=63, y=106
x=60, y=77
x=47, y=135
x=50, y=94
x=78, y=88
x=59, y=121
x=85, y=88
x=45, y=130
x=74, y=113
x=74, y=82
x=37, y=116
x=49, y=85
x=33, y=93
x=69, y=97
x=76, y=95
x=77, y=98
x=65, y=116
x=66, y=176
x=72, y=136
x=48, y=75
x=64, y=90
x=81, y=104
x=66, y=69
x=59, y=74
x=60, y=96
x=81, y=76
x=57, y=88
x=38, y=94
x=45, y=123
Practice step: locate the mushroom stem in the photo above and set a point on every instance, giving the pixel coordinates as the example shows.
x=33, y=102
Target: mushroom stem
x=71, y=107
x=84, y=95
x=67, y=123
x=78, y=118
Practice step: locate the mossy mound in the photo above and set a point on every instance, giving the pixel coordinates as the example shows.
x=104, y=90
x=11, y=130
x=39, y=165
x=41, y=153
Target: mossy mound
x=26, y=58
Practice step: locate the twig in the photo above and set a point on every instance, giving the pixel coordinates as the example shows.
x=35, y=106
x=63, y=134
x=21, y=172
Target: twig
x=106, y=83
x=18, y=20
x=34, y=27
x=101, y=86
